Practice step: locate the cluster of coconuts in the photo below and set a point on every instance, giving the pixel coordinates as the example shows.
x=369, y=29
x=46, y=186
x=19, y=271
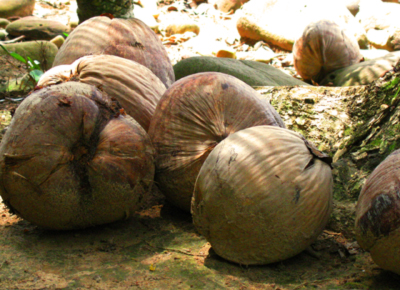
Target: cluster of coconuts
x=77, y=152
x=84, y=148
x=225, y=155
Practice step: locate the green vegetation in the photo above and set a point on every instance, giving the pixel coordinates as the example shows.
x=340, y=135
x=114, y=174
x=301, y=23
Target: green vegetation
x=33, y=66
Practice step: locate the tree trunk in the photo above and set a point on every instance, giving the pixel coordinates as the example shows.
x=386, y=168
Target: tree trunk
x=357, y=126
x=91, y=8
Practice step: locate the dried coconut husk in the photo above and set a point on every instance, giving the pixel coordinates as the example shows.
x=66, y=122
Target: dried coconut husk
x=193, y=116
x=263, y=195
x=69, y=160
x=127, y=38
x=322, y=48
x=378, y=214
x=134, y=86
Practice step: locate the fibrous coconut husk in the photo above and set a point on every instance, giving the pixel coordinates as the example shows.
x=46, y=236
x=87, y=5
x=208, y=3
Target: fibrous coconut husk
x=192, y=117
x=69, y=160
x=324, y=47
x=134, y=86
x=263, y=195
x=378, y=214
x=127, y=38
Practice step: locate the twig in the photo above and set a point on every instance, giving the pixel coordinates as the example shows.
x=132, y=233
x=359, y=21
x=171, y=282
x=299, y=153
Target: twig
x=174, y=250
x=13, y=40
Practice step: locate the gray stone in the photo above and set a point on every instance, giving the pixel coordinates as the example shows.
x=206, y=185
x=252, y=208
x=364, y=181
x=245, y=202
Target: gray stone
x=251, y=72
x=43, y=51
x=36, y=28
x=4, y=22
x=3, y=34
x=267, y=20
x=362, y=73
x=20, y=8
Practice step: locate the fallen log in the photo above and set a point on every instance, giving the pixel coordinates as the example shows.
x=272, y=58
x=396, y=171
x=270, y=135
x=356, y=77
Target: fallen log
x=357, y=126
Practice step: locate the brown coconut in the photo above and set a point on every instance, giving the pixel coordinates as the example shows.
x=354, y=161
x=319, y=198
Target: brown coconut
x=69, y=160
x=378, y=214
x=127, y=38
x=263, y=195
x=133, y=85
x=193, y=116
x=322, y=48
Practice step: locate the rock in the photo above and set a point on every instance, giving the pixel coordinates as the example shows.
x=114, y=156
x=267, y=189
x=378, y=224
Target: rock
x=3, y=34
x=36, y=28
x=362, y=73
x=58, y=40
x=227, y=5
x=226, y=52
x=388, y=39
x=379, y=15
x=369, y=54
x=178, y=23
x=251, y=72
x=20, y=8
x=43, y=51
x=4, y=22
x=268, y=20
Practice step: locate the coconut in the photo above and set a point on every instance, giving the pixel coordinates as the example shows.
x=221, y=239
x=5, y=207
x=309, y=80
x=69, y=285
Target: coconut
x=378, y=214
x=133, y=85
x=322, y=48
x=193, y=116
x=127, y=38
x=70, y=160
x=263, y=195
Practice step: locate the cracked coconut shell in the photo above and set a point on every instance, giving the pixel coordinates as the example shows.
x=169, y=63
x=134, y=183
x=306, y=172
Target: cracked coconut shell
x=193, y=116
x=263, y=195
x=322, y=48
x=378, y=214
x=127, y=38
x=69, y=160
x=133, y=85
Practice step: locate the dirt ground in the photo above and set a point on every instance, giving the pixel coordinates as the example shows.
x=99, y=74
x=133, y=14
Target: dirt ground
x=159, y=248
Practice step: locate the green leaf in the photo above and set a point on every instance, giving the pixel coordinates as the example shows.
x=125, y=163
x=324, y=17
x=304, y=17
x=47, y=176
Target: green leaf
x=65, y=34
x=17, y=57
x=5, y=49
x=36, y=74
x=33, y=64
x=14, y=54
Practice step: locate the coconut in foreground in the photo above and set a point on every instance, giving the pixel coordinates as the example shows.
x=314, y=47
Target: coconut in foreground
x=70, y=160
x=378, y=214
x=193, y=116
x=263, y=195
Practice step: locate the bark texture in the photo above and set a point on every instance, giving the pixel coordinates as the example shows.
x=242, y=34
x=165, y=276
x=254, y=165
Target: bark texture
x=357, y=126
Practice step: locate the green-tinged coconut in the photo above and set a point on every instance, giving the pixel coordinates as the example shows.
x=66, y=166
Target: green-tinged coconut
x=378, y=214
x=263, y=195
x=193, y=116
x=133, y=85
x=69, y=160
x=127, y=38
x=322, y=48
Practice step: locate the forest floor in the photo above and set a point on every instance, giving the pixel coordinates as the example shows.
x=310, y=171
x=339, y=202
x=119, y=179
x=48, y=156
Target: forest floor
x=159, y=248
